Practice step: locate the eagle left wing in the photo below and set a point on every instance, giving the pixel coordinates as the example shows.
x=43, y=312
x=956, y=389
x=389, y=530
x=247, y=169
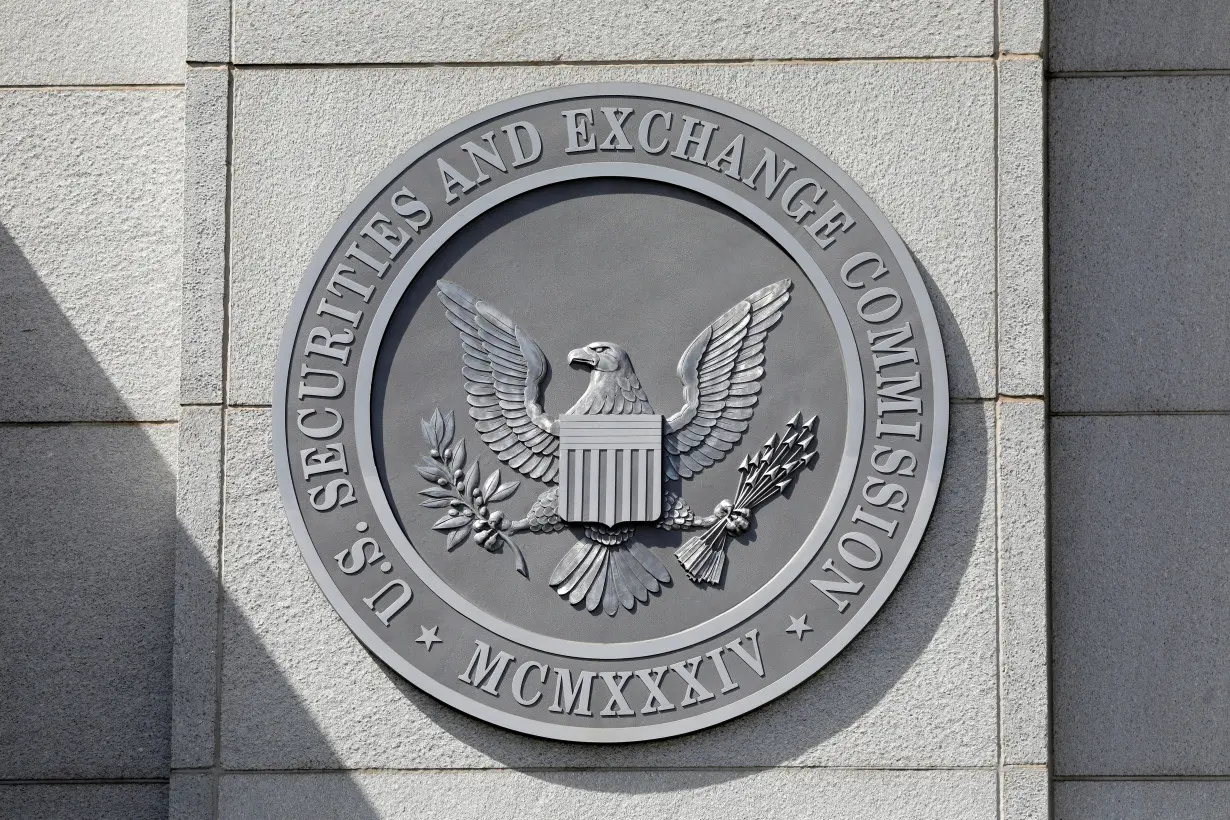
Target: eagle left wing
x=721, y=372
x=504, y=369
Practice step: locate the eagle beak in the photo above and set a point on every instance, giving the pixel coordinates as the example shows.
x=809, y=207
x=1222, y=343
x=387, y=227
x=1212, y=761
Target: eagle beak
x=582, y=355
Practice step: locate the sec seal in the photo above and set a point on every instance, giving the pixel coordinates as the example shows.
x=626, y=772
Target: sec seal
x=610, y=413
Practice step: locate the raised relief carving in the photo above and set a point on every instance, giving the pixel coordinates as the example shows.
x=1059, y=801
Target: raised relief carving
x=608, y=453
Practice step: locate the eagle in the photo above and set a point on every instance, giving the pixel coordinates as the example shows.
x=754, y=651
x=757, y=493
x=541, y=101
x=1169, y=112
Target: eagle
x=504, y=369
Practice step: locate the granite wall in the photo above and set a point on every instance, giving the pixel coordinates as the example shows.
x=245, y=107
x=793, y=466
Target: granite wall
x=165, y=649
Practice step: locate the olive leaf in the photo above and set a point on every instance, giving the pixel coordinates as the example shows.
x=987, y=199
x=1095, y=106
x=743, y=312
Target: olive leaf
x=489, y=485
x=457, y=537
x=471, y=480
x=449, y=429
x=431, y=471
x=459, y=456
x=503, y=491
x=434, y=503
x=449, y=521
x=436, y=492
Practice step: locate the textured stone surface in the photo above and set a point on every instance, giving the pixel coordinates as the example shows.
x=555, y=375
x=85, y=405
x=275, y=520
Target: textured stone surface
x=90, y=254
x=1021, y=301
x=1142, y=800
x=191, y=796
x=207, y=103
x=283, y=31
x=918, y=137
x=96, y=801
x=1024, y=715
x=88, y=528
x=208, y=27
x=679, y=794
x=1139, y=572
x=199, y=507
x=1024, y=793
x=1021, y=24
x=916, y=688
x=85, y=42
x=1138, y=242
x=1093, y=35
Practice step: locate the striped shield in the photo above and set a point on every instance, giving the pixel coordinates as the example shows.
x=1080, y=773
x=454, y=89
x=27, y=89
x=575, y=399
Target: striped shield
x=610, y=468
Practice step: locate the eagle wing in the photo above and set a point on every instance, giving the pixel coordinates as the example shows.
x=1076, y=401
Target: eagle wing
x=721, y=372
x=503, y=369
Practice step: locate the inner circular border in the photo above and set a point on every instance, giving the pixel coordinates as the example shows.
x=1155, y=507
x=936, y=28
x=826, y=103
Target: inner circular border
x=762, y=597
x=888, y=583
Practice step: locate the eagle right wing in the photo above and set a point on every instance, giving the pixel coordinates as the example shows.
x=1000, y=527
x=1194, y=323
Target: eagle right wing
x=721, y=372
x=504, y=369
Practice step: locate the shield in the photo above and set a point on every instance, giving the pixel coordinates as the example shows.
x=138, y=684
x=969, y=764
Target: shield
x=610, y=468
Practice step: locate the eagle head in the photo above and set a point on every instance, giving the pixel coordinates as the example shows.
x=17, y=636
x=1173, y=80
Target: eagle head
x=613, y=384
x=603, y=357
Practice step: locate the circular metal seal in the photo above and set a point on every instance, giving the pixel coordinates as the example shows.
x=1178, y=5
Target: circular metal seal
x=610, y=412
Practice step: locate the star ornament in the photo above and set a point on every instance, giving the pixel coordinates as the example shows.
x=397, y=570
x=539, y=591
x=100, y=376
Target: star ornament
x=798, y=626
x=429, y=637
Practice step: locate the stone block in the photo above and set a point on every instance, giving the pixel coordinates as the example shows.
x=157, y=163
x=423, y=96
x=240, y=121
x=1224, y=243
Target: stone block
x=1021, y=25
x=197, y=552
x=206, y=171
x=1023, y=633
x=208, y=27
x=91, y=211
x=1139, y=570
x=465, y=31
x=918, y=137
x=774, y=794
x=1024, y=793
x=1138, y=34
x=97, y=801
x=88, y=526
x=1138, y=215
x=191, y=796
x=82, y=42
x=1021, y=301
x=916, y=689
x=1142, y=800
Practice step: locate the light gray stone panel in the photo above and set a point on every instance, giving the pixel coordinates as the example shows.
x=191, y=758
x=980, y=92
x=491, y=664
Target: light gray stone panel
x=1021, y=26
x=1142, y=800
x=1023, y=633
x=191, y=796
x=208, y=27
x=91, y=211
x=1139, y=171
x=1021, y=302
x=88, y=531
x=1139, y=572
x=207, y=113
x=197, y=552
x=1024, y=793
x=555, y=795
x=918, y=137
x=916, y=689
x=86, y=42
x=461, y=31
x=95, y=801
x=1101, y=35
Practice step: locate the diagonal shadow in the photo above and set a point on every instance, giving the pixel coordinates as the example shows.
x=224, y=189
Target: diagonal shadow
x=88, y=591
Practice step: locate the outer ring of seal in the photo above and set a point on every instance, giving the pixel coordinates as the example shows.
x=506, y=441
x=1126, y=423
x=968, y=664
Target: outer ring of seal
x=913, y=536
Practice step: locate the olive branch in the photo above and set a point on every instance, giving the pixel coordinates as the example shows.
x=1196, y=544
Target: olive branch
x=464, y=492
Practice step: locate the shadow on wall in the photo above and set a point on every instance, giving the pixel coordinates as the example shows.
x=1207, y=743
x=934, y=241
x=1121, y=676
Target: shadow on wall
x=88, y=532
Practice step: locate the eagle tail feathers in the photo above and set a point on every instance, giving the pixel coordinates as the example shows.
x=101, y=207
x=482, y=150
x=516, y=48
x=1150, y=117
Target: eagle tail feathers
x=605, y=571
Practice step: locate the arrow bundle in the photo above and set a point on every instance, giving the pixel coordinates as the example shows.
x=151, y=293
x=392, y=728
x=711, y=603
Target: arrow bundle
x=762, y=475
